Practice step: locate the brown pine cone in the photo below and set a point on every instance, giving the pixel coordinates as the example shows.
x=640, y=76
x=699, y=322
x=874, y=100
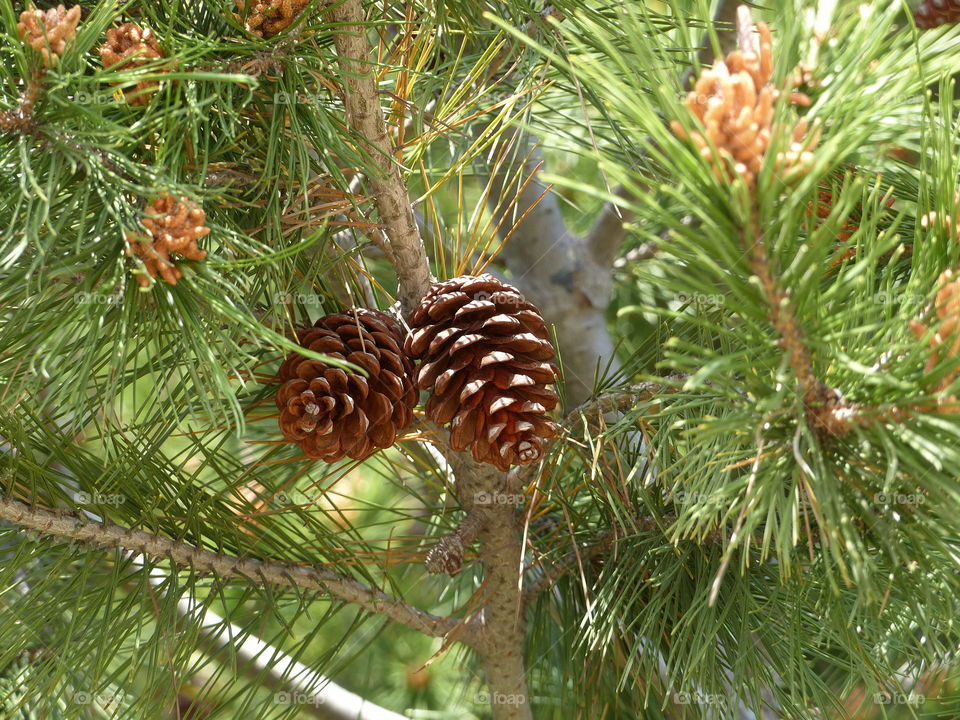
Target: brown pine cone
x=934, y=13
x=127, y=47
x=265, y=18
x=332, y=413
x=486, y=358
x=173, y=227
x=48, y=32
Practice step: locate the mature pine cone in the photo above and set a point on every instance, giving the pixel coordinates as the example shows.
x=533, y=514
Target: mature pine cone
x=173, y=226
x=333, y=413
x=486, y=354
x=130, y=46
x=48, y=32
x=934, y=13
x=264, y=18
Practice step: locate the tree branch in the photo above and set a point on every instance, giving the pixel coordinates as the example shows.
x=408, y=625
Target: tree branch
x=270, y=572
x=550, y=265
x=365, y=116
x=501, y=637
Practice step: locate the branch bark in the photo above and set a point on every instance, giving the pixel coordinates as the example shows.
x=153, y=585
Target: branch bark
x=365, y=117
x=552, y=266
x=270, y=572
x=501, y=626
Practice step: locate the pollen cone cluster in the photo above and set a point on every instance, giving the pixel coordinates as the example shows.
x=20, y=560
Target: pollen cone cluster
x=934, y=13
x=946, y=340
x=486, y=356
x=173, y=226
x=130, y=46
x=265, y=18
x=332, y=413
x=49, y=31
x=733, y=102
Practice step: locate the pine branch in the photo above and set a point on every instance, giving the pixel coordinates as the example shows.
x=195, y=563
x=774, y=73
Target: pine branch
x=620, y=400
x=204, y=561
x=365, y=117
x=501, y=628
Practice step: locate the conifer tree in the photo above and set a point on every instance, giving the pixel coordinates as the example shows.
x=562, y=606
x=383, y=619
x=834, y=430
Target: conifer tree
x=464, y=359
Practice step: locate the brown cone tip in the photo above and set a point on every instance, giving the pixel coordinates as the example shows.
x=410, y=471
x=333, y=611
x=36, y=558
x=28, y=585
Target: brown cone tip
x=486, y=356
x=332, y=413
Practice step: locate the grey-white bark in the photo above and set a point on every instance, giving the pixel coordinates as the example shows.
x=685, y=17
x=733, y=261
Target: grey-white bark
x=553, y=267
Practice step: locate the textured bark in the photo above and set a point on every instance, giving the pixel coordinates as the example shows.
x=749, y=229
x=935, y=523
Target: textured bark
x=501, y=630
x=365, y=117
x=260, y=571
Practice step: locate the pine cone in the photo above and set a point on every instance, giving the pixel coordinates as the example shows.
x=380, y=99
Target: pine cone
x=333, y=413
x=127, y=47
x=934, y=13
x=265, y=18
x=48, y=32
x=486, y=354
x=733, y=102
x=173, y=227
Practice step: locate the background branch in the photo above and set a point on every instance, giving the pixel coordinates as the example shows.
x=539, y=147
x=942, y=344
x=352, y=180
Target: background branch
x=275, y=669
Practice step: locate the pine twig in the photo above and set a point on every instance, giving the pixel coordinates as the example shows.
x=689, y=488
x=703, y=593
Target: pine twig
x=501, y=635
x=621, y=399
x=269, y=572
x=21, y=119
x=365, y=117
